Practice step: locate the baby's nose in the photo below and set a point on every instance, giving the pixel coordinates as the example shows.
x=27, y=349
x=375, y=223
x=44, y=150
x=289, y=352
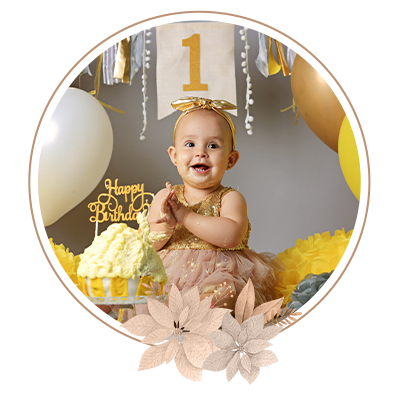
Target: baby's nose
x=201, y=153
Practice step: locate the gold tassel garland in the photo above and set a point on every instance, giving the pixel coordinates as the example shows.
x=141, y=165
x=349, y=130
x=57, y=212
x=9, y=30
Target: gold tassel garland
x=281, y=59
x=122, y=62
x=96, y=91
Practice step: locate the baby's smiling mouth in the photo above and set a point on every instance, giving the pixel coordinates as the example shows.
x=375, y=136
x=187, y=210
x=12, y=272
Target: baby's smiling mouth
x=200, y=168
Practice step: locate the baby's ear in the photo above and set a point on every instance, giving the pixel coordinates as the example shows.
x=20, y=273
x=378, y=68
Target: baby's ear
x=172, y=154
x=233, y=159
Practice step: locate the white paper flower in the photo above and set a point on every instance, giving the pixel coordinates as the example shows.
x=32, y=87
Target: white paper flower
x=242, y=347
x=184, y=326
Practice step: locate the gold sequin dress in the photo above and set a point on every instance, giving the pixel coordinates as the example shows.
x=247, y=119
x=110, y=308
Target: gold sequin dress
x=190, y=261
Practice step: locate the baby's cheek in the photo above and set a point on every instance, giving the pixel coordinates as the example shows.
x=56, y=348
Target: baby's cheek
x=184, y=158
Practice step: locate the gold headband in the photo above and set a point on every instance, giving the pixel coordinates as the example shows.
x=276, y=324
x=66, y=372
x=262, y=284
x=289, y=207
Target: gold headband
x=189, y=104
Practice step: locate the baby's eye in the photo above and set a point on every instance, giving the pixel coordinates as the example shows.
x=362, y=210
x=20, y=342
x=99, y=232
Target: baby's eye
x=189, y=144
x=213, y=146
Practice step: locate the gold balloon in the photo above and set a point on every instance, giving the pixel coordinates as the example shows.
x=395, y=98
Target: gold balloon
x=316, y=102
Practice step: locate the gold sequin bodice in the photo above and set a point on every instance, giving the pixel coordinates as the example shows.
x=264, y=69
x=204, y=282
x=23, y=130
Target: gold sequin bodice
x=210, y=207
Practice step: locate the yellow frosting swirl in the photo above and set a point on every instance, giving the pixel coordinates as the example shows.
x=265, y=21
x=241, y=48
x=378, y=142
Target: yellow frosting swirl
x=122, y=252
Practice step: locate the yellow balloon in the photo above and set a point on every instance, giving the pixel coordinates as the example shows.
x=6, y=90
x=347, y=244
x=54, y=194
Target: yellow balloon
x=348, y=157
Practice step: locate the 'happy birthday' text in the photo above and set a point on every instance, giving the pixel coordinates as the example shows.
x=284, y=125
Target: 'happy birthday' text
x=107, y=207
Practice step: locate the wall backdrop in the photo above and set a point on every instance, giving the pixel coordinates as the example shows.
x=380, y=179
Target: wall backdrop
x=291, y=180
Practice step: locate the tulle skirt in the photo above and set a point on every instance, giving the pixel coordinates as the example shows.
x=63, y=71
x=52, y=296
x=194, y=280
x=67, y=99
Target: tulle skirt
x=222, y=273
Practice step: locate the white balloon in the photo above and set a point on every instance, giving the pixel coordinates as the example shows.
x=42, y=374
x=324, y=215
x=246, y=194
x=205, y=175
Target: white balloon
x=75, y=154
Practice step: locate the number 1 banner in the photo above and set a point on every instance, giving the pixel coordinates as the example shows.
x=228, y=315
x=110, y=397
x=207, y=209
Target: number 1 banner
x=195, y=59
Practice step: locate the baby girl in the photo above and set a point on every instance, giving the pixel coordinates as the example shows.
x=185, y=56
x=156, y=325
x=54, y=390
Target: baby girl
x=203, y=226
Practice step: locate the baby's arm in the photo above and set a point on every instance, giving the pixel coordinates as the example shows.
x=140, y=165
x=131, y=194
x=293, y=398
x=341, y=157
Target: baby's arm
x=227, y=230
x=161, y=219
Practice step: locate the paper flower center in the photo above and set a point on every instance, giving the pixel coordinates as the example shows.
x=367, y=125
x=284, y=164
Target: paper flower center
x=177, y=330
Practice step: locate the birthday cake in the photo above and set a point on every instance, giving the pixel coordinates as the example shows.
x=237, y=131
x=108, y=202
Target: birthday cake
x=118, y=260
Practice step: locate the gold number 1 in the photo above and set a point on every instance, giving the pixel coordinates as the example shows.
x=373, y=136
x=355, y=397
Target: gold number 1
x=194, y=56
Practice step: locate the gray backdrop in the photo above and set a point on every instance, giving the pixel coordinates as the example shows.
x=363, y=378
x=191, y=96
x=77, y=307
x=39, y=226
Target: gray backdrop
x=291, y=180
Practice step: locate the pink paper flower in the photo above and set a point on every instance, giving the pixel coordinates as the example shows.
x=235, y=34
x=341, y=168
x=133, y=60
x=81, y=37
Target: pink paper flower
x=182, y=327
x=242, y=347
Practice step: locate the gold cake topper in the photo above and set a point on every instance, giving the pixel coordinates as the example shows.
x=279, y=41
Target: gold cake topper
x=108, y=208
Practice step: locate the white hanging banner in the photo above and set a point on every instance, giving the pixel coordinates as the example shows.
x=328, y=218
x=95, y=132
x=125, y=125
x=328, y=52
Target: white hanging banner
x=109, y=57
x=195, y=59
x=290, y=55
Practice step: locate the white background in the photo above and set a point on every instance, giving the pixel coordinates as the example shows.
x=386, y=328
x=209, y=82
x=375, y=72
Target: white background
x=324, y=376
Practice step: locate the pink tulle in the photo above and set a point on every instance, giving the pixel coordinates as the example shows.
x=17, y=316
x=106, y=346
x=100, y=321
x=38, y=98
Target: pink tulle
x=212, y=270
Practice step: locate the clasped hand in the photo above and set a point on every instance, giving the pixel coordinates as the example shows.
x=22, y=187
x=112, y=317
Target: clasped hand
x=172, y=211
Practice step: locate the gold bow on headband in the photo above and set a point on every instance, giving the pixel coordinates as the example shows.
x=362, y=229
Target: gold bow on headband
x=189, y=104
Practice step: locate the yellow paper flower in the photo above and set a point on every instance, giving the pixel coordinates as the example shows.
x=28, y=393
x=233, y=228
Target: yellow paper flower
x=315, y=255
x=68, y=261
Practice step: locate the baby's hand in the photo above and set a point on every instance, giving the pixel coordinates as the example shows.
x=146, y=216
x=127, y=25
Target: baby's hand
x=166, y=215
x=178, y=209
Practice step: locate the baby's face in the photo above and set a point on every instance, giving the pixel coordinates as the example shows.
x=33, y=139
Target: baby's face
x=203, y=149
